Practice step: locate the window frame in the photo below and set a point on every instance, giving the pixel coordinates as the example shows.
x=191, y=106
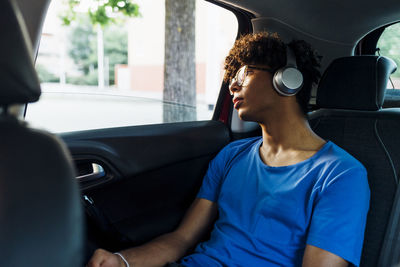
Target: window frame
x=223, y=105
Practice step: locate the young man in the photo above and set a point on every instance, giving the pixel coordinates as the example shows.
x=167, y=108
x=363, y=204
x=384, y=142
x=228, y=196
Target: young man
x=288, y=198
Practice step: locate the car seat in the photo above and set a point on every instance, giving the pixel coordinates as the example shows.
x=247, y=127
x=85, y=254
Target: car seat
x=41, y=222
x=350, y=97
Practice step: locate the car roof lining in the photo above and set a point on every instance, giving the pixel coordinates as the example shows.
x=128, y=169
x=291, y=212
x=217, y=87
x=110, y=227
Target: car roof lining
x=321, y=19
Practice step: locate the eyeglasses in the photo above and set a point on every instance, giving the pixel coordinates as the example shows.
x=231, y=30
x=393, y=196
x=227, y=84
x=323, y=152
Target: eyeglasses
x=241, y=74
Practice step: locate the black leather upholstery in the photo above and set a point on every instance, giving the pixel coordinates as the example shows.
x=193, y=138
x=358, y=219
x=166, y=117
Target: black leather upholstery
x=352, y=91
x=40, y=214
x=19, y=82
x=356, y=83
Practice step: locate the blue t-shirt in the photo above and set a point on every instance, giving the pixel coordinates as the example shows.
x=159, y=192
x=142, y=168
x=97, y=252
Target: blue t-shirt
x=267, y=214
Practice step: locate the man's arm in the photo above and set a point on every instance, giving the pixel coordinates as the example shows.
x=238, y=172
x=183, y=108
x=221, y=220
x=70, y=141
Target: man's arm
x=316, y=257
x=166, y=248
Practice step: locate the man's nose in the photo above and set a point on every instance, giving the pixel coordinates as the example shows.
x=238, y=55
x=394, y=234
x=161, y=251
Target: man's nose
x=234, y=87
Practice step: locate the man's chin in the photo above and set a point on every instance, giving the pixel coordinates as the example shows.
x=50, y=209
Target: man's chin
x=245, y=117
x=242, y=116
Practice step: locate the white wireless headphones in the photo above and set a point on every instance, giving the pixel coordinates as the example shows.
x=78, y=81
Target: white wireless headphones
x=288, y=80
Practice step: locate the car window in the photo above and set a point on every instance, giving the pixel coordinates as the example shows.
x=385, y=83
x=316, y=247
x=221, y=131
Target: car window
x=389, y=46
x=133, y=73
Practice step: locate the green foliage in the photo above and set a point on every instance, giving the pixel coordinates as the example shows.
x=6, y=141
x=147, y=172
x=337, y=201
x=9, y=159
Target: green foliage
x=389, y=45
x=115, y=48
x=68, y=15
x=99, y=16
x=83, y=50
x=90, y=79
x=46, y=76
x=103, y=12
x=83, y=45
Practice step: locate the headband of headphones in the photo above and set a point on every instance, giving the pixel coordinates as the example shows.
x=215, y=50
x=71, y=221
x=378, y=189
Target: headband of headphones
x=288, y=80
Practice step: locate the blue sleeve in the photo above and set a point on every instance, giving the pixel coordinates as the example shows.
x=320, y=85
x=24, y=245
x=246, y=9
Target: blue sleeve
x=213, y=179
x=339, y=215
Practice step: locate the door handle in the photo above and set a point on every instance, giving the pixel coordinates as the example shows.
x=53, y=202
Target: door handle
x=97, y=173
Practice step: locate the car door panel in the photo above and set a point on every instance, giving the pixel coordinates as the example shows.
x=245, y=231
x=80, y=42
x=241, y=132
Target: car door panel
x=150, y=176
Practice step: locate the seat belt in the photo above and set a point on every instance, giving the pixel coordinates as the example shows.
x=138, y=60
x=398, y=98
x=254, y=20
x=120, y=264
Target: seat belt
x=390, y=251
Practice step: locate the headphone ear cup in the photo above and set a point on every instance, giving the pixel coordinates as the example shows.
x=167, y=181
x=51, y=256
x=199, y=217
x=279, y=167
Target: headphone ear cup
x=287, y=81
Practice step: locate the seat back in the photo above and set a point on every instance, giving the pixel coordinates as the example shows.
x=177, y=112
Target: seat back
x=350, y=97
x=40, y=215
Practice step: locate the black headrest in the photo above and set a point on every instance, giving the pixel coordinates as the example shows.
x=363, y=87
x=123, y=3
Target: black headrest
x=357, y=82
x=18, y=79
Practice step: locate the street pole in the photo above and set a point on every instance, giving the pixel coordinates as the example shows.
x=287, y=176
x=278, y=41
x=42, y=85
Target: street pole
x=100, y=56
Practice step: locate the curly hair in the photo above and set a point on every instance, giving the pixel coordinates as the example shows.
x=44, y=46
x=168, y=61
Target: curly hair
x=268, y=49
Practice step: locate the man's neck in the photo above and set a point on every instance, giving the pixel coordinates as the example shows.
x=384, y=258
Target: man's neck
x=288, y=139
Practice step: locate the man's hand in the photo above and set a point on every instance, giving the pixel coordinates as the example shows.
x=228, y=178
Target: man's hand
x=168, y=247
x=316, y=257
x=103, y=258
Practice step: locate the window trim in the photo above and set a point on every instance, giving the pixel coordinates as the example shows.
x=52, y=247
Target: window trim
x=367, y=45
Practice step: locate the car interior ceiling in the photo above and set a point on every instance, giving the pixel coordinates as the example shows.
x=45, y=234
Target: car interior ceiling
x=356, y=116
